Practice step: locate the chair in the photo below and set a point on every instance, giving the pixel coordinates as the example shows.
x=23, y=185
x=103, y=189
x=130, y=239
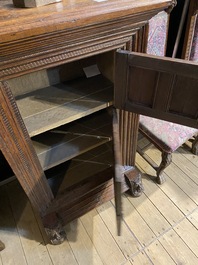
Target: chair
x=167, y=137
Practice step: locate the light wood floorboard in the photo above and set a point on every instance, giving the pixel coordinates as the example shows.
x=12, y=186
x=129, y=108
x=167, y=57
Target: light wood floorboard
x=160, y=227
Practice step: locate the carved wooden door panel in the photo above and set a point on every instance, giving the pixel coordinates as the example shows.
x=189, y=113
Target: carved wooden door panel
x=159, y=87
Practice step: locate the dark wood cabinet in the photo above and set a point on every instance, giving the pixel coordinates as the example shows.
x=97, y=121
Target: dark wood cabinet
x=47, y=101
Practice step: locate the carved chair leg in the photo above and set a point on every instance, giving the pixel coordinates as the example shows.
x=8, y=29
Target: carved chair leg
x=166, y=160
x=2, y=246
x=195, y=146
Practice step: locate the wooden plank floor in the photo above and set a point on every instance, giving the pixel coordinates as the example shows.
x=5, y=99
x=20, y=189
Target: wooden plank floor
x=160, y=227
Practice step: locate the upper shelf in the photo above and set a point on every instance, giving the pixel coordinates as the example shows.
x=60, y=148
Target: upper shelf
x=53, y=106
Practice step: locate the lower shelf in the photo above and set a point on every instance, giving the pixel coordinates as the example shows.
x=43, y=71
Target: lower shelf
x=63, y=178
x=86, y=183
x=68, y=141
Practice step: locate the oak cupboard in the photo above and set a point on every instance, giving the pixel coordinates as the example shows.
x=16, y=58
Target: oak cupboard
x=50, y=108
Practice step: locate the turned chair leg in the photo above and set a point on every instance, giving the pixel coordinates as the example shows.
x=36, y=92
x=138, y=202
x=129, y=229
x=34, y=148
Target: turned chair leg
x=166, y=160
x=195, y=146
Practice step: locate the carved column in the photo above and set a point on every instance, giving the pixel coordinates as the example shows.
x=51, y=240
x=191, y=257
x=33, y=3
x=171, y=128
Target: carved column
x=17, y=148
x=129, y=123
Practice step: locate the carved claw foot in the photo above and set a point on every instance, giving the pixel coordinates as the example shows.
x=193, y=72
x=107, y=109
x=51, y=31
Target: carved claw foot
x=166, y=160
x=2, y=246
x=56, y=235
x=160, y=179
x=136, y=189
x=195, y=146
x=134, y=181
x=54, y=228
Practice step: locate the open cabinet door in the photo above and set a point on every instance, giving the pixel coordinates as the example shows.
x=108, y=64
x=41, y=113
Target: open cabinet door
x=154, y=86
x=159, y=87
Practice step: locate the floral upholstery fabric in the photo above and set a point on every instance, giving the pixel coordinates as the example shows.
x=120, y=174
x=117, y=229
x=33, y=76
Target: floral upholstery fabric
x=167, y=136
x=157, y=34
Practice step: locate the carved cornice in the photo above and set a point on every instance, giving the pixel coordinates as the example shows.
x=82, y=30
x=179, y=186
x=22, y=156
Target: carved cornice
x=19, y=23
x=60, y=59
x=48, y=50
x=18, y=57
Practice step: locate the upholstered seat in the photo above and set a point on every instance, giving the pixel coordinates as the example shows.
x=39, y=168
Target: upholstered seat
x=167, y=137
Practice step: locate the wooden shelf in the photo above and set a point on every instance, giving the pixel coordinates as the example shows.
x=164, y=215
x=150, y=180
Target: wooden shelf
x=53, y=106
x=79, y=142
x=82, y=181
x=83, y=184
x=81, y=168
x=68, y=141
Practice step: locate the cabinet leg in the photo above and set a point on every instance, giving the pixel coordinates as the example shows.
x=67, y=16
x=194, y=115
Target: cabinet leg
x=128, y=124
x=54, y=228
x=133, y=179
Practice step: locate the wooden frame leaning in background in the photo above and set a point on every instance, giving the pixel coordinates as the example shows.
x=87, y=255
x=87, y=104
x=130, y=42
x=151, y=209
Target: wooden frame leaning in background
x=190, y=49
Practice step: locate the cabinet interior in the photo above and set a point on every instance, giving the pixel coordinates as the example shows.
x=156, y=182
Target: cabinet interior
x=68, y=117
